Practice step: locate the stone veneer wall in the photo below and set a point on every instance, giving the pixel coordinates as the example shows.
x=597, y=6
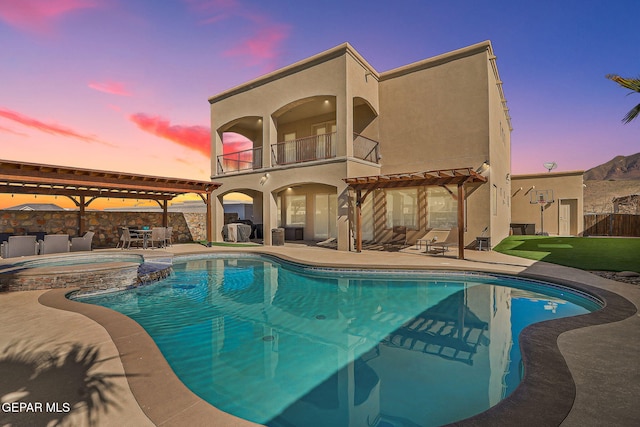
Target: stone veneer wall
x=87, y=277
x=187, y=227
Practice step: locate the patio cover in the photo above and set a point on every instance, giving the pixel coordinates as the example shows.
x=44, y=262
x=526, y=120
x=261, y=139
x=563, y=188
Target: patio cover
x=441, y=177
x=83, y=186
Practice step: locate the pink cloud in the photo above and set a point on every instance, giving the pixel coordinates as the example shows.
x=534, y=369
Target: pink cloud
x=260, y=49
x=38, y=16
x=113, y=88
x=50, y=128
x=234, y=142
x=212, y=11
x=263, y=47
x=194, y=137
x=8, y=130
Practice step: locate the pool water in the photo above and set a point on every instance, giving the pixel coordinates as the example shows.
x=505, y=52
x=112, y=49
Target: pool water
x=287, y=345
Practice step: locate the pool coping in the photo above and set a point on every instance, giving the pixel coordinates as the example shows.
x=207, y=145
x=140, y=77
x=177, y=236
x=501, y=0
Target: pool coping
x=545, y=396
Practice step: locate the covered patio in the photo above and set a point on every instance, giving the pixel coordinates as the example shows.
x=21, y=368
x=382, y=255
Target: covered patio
x=83, y=186
x=363, y=186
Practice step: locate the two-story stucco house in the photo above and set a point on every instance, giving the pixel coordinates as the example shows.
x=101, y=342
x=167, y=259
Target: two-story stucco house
x=331, y=117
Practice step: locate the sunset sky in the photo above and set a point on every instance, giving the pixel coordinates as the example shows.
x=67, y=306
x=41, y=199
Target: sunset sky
x=123, y=85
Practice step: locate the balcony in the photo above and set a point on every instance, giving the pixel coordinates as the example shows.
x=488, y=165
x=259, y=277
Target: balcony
x=240, y=160
x=317, y=147
x=307, y=149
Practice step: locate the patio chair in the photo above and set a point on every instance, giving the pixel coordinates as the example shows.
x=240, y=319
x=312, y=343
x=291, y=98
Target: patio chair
x=157, y=236
x=16, y=246
x=432, y=236
x=82, y=243
x=127, y=238
x=451, y=240
x=168, y=233
x=54, y=243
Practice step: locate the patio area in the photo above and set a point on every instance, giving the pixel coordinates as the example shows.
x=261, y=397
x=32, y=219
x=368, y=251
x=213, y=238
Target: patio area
x=100, y=350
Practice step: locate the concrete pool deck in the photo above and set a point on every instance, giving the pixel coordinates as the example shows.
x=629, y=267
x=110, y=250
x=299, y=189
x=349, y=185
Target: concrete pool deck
x=95, y=347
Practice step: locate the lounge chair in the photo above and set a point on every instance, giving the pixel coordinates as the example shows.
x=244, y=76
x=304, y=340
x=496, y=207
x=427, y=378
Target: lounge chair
x=54, y=243
x=16, y=246
x=82, y=243
x=451, y=240
x=434, y=235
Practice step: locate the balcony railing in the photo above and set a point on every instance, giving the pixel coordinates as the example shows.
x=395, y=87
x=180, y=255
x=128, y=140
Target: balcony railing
x=365, y=148
x=300, y=150
x=240, y=160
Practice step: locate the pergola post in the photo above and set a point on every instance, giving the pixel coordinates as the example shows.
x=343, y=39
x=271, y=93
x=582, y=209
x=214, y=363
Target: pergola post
x=207, y=201
x=82, y=205
x=461, y=220
x=165, y=215
x=358, y=221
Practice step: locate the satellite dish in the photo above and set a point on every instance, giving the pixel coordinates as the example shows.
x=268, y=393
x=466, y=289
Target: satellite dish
x=550, y=165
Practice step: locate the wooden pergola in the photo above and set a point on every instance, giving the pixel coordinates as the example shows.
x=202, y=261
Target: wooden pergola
x=363, y=186
x=83, y=186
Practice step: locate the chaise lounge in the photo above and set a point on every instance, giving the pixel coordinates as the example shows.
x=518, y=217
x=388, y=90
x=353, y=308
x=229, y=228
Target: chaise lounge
x=451, y=240
x=434, y=235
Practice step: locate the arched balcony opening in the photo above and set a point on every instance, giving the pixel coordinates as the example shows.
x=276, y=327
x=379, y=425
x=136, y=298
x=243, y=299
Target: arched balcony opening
x=241, y=145
x=365, y=131
x=306, y=131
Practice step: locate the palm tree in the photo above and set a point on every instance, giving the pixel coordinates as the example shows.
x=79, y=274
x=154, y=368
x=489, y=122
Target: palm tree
x=634, y=86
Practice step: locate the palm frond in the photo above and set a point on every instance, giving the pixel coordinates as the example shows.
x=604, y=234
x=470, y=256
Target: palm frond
x=635, y=112
x=627, y=83
x=634, y=86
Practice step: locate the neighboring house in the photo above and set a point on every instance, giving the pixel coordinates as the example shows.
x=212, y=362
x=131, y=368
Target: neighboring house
x=35, y=207
x=333, y=116
x=562, y=212
x=627, y=204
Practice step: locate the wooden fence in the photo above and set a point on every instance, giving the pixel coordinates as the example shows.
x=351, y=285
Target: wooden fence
x=612, y=225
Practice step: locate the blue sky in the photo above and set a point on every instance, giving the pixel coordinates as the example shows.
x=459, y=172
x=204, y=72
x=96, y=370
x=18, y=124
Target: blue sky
x=88, y=83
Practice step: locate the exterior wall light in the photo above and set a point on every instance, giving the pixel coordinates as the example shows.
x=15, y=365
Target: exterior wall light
x=484, y=167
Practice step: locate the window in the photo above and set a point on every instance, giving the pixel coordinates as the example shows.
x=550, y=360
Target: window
x=402, y=208
x=442, y=208
x=279, y=210
x=296, y=211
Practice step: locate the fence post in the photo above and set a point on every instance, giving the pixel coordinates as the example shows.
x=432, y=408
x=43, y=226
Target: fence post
x=610, y=224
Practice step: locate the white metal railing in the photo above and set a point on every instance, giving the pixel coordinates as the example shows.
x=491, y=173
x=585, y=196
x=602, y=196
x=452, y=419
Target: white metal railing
x=306, y=149
x=240, y=160
x=365, y=148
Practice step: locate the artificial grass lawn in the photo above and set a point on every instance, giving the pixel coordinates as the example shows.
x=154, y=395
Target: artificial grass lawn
x=586, y=253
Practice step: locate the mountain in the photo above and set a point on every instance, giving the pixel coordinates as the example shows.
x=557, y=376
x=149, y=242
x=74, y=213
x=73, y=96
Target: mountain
x=620, y=168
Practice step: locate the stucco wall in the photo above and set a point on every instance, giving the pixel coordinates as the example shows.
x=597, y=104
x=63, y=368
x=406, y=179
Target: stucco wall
x=187, y=227
x=448, y=113
x=567, y=188
x=436, y=117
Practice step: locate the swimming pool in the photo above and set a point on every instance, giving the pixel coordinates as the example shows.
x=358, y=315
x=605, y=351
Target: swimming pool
x=285, y=344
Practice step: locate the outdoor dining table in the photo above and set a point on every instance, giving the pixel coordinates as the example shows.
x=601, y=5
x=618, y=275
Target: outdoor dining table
x=145, y=236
